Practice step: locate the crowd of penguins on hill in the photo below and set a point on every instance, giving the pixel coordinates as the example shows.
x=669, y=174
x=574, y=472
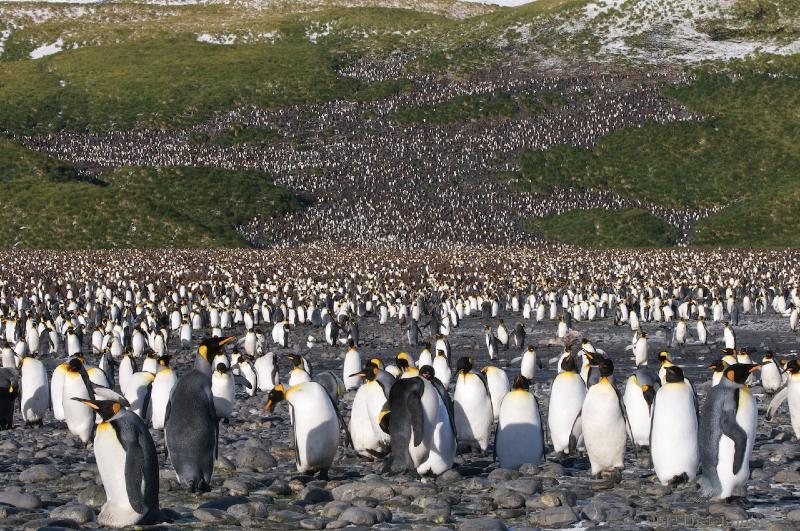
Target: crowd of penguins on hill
x=368, y=178
x=116, y=332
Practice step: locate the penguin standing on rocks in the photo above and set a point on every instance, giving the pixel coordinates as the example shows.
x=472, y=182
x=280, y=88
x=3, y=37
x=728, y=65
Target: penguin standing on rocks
x=161, y=390
x=472, y=404
x=128, y=465
x=640, y=391
x=34, y=391
x=369, y=440
x=8, y=396
x=791, y=393
x=673, y=437
x=79, y=419
x=443, y=440
x=604, y=423
x=724, y=445
x=497, y=383
x=315, y=425
x=519, y=437
x=566, y=401
x=771, y=374
x=191, y=428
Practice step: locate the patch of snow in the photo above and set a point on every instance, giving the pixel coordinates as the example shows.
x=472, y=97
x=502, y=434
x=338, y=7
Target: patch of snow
x=314, y=32
x=4, y=35
x=47, y=49
x=216, y=39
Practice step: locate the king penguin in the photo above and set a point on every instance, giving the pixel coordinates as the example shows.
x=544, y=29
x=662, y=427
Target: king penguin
x=443, y=444
x=723, y=436
x=604, y=423
x=80, y=420
x=791, y=393
x=771, y=374
x=190, y=428
x=673, y=437
x=163, y=384
x=640, y=389
x=352, y=365
x=472, y=404
x=566, y=401
x=315, y=425
x=34, y=391
x=497, y=383
x=128, y=465
x=369, y=440
x=519, y=438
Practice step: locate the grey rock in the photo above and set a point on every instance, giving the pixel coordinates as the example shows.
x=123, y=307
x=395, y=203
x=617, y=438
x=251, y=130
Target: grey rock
x=438, y=512
x=77, y=512
x=793, y=515
x=359, y=516
x=334, y=509
x=93, y=496
x=315, y=495
x=286, y=515
x=236, y=487
x=525, y=486
x=314, y=523
x=279, y=487
x=214, y=516
x=39, y=473
x=502, y=474
x=731, y=513
x=255, y=509
x=483, y=524
x=255, y=457
x=21, y=500
x=224, y=502
x=606, y=512
x=555, y=517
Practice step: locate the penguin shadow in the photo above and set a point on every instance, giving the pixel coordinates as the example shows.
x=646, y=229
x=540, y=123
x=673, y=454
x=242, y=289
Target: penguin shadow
x=41, y=394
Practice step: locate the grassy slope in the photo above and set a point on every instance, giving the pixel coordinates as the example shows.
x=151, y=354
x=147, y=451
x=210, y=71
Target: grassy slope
x=139, y=207
x=746, y=153
x=604, y=228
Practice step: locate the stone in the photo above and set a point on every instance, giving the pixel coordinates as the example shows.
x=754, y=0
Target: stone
x=255, y=509
x=214, y=516
x=483, y=524
x=51, y=523
x=77, y=512
x=731, y=513
x=21, y=500
x=793, y=515
x=525, y=486
x=438, y=512
x=334, y=509
x=315, y=495
x=555, y=517
x=93, y=496
x=359, y=516
x=39, y=473
x=255, y=457
x=313, y=523
x=222, y=503
x=236, y=487
x=502, y=474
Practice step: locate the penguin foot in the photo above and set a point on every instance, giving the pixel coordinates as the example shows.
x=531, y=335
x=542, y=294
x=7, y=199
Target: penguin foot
x=679, y=480
x=322, y=474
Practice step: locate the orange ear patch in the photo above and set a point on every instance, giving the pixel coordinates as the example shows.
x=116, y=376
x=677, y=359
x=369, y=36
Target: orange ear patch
x=729, y=375
x=115, y=408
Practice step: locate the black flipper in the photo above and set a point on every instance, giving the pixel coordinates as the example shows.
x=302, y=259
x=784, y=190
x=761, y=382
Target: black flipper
x=134, y=465
x=576, y=433
x=739, y=437
x=415, y=410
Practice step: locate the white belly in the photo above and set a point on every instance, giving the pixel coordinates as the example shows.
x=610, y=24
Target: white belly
x=604, y=430
x=352, y=365
x=473, y=411
x=566, y=401
x=674, y=447
x=110, y=456
x=79, y=417
x=35, y=391
x=519, y=431
x=162, y=388
x=638, y=413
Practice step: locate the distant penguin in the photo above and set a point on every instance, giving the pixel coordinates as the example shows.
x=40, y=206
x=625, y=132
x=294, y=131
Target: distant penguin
x=673, y=438
x=425, y=357
x=790, y=393
x=332, y=384
x=127, y=367
x=640, y=390
x=473, y=406
x=723, y=436
x=529, y=363
x=163, y=384
x=79, y=419
x=223, y=388
x=369, y=440
x=247, y=371
x=9, y=391
x=267, y=372
x=520, y=335
x=603, y=423
x=128, y=465
x=519, y=438
x=771, y=374
x=497, y=383
x=191, y=430
x=566, y=401
x=352, y=365
x=640, y=350
x=718, y=366
x=57, y=390
x=34, y=397
x=298, y=374
x=315, y=424
x=139, y=392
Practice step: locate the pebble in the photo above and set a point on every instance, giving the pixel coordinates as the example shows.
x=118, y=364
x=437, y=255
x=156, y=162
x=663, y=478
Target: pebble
x=214, y=516
x=255, y=509
x=39, y=473
x=223, y=503
x=316, y=495
x=21, y=500
x=732, y=513
x=555, y=517
x=483, y=524
x=256, y=458
x=77, y=512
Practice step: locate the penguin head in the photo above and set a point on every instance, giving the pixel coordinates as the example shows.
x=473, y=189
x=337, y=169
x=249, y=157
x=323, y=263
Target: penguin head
x=105, y=408
x=568, y=364
x=717, y=365
x=663, y=356
x=738, y=372
x=674, y=374
x=277, y=395
x=768, y=356
x=296, y=359
x=222, y=368
x=377, y=362
x=401, y=363
x=427, y=372
x=521, y=383
x=793, y=366
x=75, y=364
x=369, y=372
x=163, y=361
x=351, y=345
x=464, y=365
x=606, y=367
x=210, y=346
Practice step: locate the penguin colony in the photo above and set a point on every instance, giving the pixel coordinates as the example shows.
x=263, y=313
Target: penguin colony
x=386, y=182
x=145, y=369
